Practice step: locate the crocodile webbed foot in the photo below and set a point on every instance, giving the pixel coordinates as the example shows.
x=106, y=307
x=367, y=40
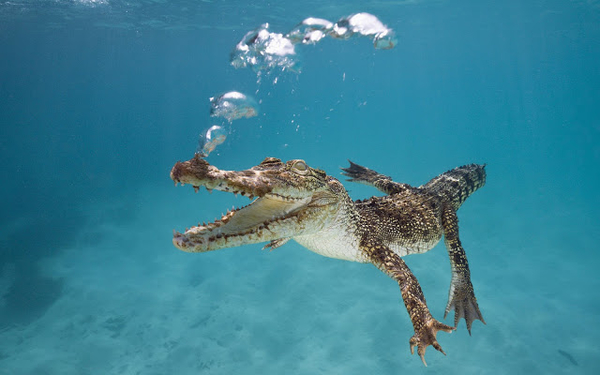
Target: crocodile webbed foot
x=462, y=300
x=426, y=336
x=461, y=297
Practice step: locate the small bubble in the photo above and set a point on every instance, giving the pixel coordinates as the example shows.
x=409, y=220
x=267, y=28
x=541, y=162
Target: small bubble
x=385, y=40
x=209, y=140
x=365, y=24
x=310, y=31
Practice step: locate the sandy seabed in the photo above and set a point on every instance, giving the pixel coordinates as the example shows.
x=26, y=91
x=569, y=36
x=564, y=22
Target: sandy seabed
x=132, y=304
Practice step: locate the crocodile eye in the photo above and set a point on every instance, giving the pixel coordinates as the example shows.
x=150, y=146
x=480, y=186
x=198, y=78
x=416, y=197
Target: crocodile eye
x=300, y=167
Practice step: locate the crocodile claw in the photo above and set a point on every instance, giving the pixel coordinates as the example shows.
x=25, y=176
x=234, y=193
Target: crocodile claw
x=427, y=336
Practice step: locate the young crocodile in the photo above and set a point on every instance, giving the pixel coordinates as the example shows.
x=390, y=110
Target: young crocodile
x=302, y=203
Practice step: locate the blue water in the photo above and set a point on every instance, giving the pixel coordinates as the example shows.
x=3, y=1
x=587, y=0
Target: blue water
x=98, y=99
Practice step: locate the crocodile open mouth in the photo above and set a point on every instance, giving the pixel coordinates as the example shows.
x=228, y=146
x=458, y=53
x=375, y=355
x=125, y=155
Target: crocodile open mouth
x=273, y=216
x=262, y=220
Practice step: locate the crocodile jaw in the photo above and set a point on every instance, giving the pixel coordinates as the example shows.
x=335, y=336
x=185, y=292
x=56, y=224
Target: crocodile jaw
x=266, y=219
x=286, y=205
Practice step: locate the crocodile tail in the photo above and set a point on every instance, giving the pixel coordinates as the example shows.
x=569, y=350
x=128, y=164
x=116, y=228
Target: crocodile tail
x=458, y=184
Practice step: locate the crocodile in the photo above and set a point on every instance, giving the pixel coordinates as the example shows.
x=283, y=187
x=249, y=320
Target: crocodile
x=292, y=201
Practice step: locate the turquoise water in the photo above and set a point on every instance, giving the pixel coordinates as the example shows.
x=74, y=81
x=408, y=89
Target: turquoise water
x=98, y=100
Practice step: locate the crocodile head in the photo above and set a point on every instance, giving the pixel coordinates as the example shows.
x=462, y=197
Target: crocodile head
x=288, y=199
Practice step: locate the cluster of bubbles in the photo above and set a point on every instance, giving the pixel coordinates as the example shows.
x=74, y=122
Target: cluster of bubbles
x=263, y=50
x=231, y=106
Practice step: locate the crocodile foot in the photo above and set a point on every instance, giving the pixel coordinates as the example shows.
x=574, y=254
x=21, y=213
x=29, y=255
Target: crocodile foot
x=426, y=336
x=464, y=304
x=358, y=173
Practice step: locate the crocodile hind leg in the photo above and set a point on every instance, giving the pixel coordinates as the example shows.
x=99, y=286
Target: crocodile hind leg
x=425, y=326
x=461, y=297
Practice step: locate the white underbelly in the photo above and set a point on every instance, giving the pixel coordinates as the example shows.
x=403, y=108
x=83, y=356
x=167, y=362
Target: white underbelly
x=332, y=245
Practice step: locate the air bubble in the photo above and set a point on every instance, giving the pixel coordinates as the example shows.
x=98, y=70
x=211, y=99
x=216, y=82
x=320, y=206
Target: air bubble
x=209, y=141
x=365, y=24
x=264, y=50
x=310, y=31
x=233, y=105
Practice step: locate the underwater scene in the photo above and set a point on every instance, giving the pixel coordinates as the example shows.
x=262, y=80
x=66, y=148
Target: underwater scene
x=303, y=107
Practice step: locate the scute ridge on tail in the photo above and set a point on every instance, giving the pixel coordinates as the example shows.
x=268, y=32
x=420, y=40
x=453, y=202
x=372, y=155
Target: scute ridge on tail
x=457, y=184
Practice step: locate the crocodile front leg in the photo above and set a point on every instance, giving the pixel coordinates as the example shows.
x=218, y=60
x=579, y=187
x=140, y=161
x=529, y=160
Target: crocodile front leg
x=461, y=297
x=425, y=326
x=364, y=175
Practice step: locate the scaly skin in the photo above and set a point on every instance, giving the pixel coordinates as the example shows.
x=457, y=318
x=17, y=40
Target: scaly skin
x=301, y=203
